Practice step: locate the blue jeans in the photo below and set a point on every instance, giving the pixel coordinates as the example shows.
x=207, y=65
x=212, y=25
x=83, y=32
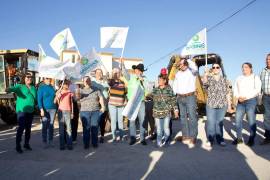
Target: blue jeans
x=215, y=117
x=266, y=121
x=24, y=123
x=163, y=125
x=64, y=118
x=248, y=107
x=132, y=124
x=116, y=117
x=188, y=115
x=90, y=123
x=47, y=125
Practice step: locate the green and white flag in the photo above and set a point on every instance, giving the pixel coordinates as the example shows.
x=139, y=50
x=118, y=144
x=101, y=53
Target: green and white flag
x=63, y=40
x=196, y=45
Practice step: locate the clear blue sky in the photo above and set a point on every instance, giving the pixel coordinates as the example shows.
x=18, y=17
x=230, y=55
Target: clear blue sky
x=156, y=27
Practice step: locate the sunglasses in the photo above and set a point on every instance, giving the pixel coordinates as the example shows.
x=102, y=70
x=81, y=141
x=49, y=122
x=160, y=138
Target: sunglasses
x=215, y=67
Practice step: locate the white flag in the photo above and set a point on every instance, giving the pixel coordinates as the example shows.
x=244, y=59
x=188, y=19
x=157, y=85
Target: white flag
x=113, y=37
x=41, y=53
x=196, y=45
x=53, y=68
x=86, y=64
x=63, y=40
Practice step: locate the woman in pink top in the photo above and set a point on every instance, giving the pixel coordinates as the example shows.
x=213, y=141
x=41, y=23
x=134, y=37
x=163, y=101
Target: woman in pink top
x=65, y=112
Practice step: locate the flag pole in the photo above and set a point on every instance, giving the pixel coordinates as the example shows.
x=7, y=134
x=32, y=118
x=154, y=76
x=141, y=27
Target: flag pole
x=121, y=61
x=206, y=48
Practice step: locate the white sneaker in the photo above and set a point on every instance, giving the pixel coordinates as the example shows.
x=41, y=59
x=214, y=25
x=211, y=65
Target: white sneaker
x=222, y=143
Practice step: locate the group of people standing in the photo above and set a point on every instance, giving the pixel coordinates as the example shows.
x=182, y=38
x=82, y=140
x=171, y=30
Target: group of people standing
x=97, y=99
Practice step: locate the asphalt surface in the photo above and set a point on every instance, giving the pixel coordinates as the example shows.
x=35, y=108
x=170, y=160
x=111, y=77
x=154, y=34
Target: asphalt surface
x=121, y=161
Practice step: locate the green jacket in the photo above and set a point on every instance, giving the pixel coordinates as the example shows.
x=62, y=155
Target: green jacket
x=164, y=102
x=133, y=83
x=26, y=97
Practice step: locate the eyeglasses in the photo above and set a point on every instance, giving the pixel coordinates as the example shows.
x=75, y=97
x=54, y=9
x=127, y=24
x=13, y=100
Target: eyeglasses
x=215, y=67
x=29, y=77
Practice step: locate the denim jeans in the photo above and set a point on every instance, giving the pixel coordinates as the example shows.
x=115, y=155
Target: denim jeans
x=47, y=125
x=163, y=125
x=64, y=118
x=215, y=117
x=90, y=123
x=188, y=115
x=24, y=123
x=116, y=117
x=248, y=107
x=266, y=121
x=132, y=124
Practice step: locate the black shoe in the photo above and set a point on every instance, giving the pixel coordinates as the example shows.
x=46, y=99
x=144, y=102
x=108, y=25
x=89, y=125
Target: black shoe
x=62, y=148
x=237, y=141
x=143, y=142
x=70, y=148
x=101, y=140
x=27, y=147
x=153, y=137
x=250, y=142
x=19, y=149
x=132, y=140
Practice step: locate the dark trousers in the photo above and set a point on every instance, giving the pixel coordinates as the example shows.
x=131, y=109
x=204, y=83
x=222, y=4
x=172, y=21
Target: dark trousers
x=75, y=121
x=24, y=123
x=149, y=116
x=102, y=123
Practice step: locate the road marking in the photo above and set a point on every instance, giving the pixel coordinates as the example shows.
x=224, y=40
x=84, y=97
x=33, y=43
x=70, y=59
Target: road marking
x=90, y=154
x=50, y=173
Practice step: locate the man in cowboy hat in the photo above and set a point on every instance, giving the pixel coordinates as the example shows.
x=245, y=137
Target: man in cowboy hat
x=138, y=79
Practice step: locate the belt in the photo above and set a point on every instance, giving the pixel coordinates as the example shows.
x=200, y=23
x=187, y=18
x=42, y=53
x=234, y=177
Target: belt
x=266, y=94
x=185, y=95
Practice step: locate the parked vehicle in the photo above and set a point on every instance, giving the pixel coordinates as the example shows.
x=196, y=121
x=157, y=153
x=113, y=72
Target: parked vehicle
x=13, y=64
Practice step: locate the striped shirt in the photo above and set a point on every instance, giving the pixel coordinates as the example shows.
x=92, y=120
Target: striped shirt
x=265, y=78
x=117, y=93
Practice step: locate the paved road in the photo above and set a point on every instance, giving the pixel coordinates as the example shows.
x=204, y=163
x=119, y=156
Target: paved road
x=121, y=161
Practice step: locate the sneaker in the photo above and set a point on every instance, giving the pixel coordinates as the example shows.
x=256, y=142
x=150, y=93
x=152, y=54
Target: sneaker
x=27, y=147
x=237, y=141
x=265, y=141
x=143, y=142
x=222, y=143
x=19, y=149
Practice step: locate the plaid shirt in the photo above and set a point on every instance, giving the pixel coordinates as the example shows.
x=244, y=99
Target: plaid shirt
x=265, y=78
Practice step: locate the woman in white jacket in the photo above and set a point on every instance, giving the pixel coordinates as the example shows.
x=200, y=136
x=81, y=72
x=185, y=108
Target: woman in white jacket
x=246, y=89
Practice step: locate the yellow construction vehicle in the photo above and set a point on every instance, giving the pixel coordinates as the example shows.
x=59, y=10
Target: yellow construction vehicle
x=13, y=64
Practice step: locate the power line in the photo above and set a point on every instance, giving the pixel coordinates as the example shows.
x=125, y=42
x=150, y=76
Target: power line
x=208, y=30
